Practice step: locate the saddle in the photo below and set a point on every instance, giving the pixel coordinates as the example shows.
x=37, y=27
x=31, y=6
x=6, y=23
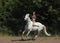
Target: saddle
x=35, y=25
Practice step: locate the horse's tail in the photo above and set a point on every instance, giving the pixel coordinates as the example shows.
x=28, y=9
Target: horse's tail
x=46, y=31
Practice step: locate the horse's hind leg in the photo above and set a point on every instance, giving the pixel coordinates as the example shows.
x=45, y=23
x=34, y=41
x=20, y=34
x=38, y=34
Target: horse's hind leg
x=36, y=35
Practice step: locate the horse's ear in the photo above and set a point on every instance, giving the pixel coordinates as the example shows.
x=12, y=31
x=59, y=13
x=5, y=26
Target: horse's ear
x=27, y=14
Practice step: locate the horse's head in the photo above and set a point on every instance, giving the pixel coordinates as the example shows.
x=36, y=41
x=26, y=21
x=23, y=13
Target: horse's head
x=26, y=16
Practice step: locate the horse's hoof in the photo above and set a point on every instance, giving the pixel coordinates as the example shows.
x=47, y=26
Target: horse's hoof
x=33, y=39
x=22, y=39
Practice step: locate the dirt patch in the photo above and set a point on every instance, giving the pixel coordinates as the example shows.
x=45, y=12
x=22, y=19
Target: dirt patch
x=29, y=40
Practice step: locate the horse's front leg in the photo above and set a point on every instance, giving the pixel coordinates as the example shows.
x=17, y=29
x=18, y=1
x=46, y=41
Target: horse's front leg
x=23, y=33
x=28, y=33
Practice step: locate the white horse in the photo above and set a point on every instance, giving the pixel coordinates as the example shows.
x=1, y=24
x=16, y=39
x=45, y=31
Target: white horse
x=29, y=27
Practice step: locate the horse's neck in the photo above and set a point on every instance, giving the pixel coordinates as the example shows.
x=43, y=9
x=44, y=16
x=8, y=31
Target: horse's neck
x=29, y=21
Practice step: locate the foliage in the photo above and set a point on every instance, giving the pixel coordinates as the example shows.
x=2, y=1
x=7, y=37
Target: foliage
x=12, y=14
